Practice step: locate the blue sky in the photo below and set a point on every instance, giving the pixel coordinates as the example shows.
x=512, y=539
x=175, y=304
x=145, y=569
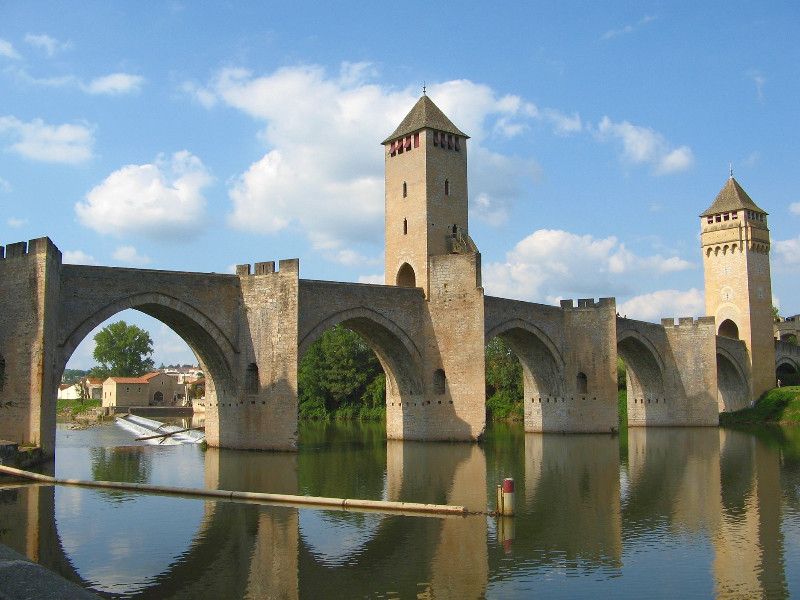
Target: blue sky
x=200, y=135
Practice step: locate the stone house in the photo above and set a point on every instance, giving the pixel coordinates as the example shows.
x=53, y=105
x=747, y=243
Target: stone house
x=153, y=389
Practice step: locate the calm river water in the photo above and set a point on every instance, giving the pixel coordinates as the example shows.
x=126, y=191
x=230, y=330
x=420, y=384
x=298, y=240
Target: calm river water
x=655, y=513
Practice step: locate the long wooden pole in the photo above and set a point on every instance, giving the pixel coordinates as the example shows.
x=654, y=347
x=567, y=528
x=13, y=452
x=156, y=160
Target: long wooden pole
x=300, y=501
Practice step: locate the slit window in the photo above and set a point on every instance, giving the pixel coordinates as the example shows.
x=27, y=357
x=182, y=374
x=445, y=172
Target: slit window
x=405, y=226
x=405, y=190
x=446, y=187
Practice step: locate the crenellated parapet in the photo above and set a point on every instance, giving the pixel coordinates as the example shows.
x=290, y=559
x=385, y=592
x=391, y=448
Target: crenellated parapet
x=588, y=303
x=289, y=265
x=687, y=322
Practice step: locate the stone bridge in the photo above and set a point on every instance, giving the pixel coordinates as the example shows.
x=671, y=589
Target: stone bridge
x=249, y=331
x=787, y=362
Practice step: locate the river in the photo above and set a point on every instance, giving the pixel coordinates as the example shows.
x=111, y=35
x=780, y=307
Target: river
x=656, y=513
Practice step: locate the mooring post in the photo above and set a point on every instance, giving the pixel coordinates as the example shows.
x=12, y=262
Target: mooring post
x=505, y=498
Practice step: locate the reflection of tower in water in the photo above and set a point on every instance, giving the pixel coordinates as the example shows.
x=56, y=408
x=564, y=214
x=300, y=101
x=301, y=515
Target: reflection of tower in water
x=749, y=545
x=572, y=489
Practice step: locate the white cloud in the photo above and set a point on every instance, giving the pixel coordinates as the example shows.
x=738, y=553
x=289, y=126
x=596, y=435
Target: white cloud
x=628, y=28
x=68, y=143
x=787, y=253
x=161, y=201
x=322, y=174
x=373, y=279
x=664, y=303
x=114, y=84
x=51, y=46
x=7, y=50
x=794, y=208
x=5, y=187
x=548, y=263
x=643, y=145
x=13, y=222
x=129, y=255
x=78, y=257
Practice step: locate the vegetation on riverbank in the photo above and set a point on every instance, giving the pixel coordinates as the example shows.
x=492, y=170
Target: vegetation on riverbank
x=778, y=405
x=73, y=406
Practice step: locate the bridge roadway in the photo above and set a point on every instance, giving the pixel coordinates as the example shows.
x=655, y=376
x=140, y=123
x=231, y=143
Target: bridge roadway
x=250, y=330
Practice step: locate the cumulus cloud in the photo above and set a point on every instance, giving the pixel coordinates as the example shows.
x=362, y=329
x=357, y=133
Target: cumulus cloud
x=13, y=222
x=643, y=145
x=160, y=201
x=50, y=46
x=67, y=143
x=664, y=303
x=787, y=253
x=129, y=255
x=7, y=50
x=114, y=84
x=794, y=208
x=78, y=257
x=551, y=263
x=320, y=175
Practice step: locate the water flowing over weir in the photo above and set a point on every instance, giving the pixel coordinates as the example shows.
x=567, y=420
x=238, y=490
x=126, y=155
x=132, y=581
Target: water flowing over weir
x=143, y=427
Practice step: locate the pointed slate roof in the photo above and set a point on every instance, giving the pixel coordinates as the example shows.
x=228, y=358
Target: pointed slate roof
x=424, y=115
x=731, y=198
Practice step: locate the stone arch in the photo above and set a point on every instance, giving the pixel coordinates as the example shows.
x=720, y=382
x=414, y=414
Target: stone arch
x=728, y=329
x=542, y=364
x=406, y=276
x=645, y=367
x=733, y=391
x=397, y=353
x=787, y=370
x=203, y=336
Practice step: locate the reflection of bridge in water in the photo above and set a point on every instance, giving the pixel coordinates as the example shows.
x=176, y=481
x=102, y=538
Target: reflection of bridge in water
x=582, y=506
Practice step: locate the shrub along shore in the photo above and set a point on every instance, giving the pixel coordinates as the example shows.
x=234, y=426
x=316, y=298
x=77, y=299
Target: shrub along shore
x=778, y=405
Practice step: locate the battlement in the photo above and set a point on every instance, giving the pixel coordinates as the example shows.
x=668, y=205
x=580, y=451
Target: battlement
x=688, y=322
x=289, y=265
x=35, y=246
x=589, y=303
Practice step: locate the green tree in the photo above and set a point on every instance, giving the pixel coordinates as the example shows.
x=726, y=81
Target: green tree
x=775, y=313
x=504, y=386
x=340, y=376
x=122, y=350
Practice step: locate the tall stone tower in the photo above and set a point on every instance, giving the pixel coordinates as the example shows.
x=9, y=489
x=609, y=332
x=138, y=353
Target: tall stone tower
x=426, y=195
x=735, y=242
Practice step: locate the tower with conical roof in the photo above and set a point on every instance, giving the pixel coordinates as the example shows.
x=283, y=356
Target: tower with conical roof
x=735, y=242
x=426, y=194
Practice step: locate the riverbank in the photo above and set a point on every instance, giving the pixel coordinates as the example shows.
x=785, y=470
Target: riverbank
x=778, y=405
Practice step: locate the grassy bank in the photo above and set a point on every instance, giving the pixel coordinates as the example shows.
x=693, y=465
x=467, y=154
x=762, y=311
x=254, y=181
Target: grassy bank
x=66, y=408
x=779, y=405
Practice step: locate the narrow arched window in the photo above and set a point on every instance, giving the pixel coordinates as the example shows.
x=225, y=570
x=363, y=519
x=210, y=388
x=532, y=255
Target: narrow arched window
x=251, y=379
x=439, y=382
x=581, y=383
x=446, y=187
x=405, y=189
x=405, y=226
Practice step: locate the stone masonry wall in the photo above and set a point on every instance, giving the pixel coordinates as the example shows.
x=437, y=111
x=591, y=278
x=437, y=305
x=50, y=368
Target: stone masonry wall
x=263, y=413
x=28, y=300
x=456, y=347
